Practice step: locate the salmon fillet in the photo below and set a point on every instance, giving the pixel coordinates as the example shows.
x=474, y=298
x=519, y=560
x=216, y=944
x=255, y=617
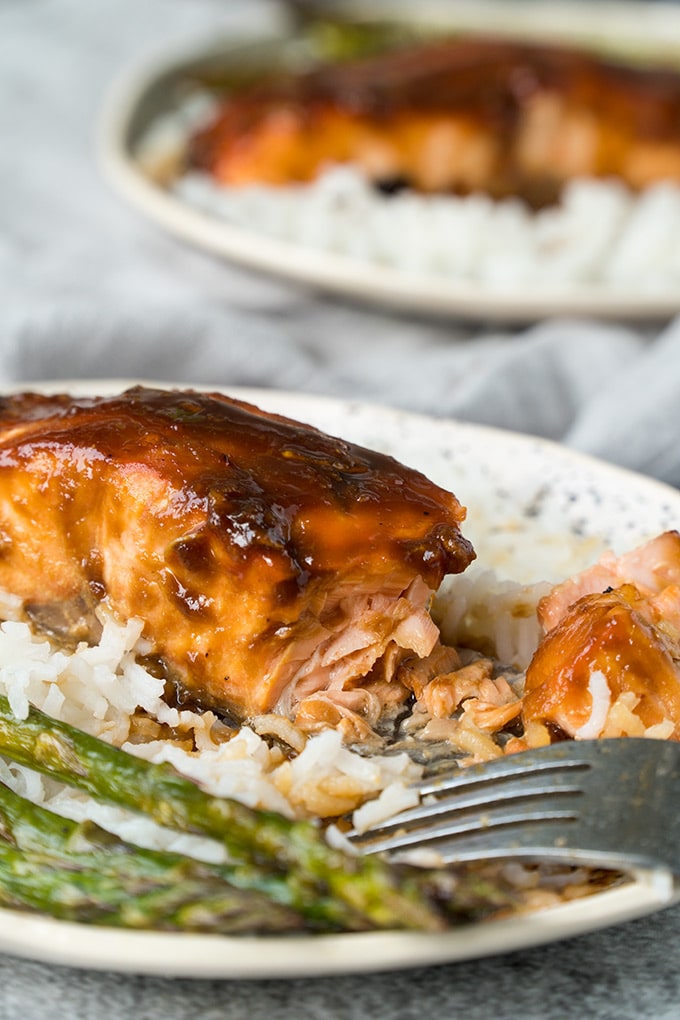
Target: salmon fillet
x=460, y=115
x=605, y=646
x=612, y=631
x=266, y=559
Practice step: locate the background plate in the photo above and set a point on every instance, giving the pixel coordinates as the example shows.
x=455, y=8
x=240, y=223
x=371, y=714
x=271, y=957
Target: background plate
x=147, y=92
x=535, y=510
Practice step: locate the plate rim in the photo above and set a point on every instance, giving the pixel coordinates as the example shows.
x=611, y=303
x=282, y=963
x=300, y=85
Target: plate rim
x=280, y=957
x=237, y=957
x=337, y=274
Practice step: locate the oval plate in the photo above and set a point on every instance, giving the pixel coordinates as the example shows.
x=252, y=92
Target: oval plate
x=152, y=90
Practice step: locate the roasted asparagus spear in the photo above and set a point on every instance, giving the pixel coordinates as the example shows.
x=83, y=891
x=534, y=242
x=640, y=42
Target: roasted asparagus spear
x=290, y=860
x=78, y=871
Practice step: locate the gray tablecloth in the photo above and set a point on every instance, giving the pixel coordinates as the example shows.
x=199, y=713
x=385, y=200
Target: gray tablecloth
x=88, y=289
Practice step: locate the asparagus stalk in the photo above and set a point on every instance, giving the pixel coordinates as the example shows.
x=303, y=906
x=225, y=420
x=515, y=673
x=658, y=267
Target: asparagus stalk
x=290, y=859
x=29, y=827
x=176, y=899
x=78, y=871
x=59, y=842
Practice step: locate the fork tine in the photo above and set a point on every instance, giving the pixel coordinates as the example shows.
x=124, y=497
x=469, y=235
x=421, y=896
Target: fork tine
x=511, y=791
x=542, y=837
x=458, y=800
x=429, y=823
x=537, y=836
x=545, y=759
x=604, y=802
x=517, y=777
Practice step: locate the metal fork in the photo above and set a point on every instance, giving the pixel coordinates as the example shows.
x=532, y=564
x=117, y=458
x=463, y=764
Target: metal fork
x=610, y=803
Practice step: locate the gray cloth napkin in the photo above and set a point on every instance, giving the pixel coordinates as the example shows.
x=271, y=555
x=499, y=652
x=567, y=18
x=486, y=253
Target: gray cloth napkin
x=89, y=288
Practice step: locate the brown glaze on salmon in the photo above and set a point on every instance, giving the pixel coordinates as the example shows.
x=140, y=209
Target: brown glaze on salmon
x=267, y=559
x=462, y=115
x=604, y=645
x=612, y=630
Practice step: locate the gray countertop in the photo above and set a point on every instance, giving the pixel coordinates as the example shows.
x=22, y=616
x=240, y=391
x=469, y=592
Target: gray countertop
x=624, y=973
x=89, y=289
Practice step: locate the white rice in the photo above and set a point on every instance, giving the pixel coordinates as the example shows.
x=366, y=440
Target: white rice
x=600, y=233
x=497, y=617
x=99, y=688
x=601, y=699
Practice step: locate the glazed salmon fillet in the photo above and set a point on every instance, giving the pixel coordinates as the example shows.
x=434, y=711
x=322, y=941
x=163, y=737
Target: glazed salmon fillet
x=612, y=647
x=460, y=115
x=267, y=560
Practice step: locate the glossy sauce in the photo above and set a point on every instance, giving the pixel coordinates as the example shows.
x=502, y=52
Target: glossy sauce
x=456, y=115
x=236, y=535
x=602, y=632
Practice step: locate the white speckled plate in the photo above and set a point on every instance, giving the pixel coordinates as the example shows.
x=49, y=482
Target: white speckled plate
x=535, y=510
x=153, y=90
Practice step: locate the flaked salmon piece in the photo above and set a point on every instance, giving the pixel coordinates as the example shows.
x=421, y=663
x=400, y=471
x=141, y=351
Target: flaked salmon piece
x=609, y=662
x=267, y=560
x=353, y=713
x=416, y=673
x=604, y=645
x=490, y=716
x=651, y=568
x=445, y=692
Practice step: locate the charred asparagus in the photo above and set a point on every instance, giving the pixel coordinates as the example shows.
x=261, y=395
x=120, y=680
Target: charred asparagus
x=78, y=871
x=290, y=860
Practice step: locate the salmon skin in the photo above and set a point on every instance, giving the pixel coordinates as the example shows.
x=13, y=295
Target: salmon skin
x=267, y=559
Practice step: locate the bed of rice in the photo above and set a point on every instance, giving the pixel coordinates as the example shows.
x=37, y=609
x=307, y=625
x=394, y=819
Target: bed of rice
x=599, y=234
x=100, y=689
